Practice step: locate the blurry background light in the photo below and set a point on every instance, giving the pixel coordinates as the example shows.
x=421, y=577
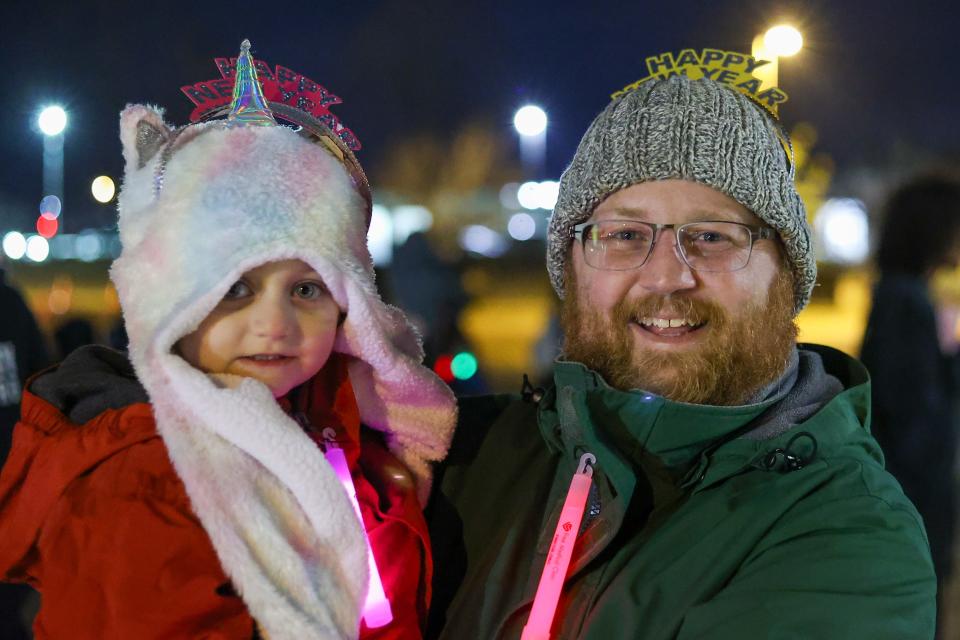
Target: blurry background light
x=113, y=248
x=528, y=195
x=549, y=193
x=50, y=207
x=63, y=247
x=508, y=195
x=530, y=120
x=14, y=245
x=538, y=195
x=483, y=240
x=783, y=40
x=442, y=367
x=52, y=120
x=409, y=219
x=103, y=189
x=37, y=248
x=463, y=366
x=843, y=230
x=60, y=298
x=521, y=226
x=89, y=246
x=380, y=236
x=46, y=226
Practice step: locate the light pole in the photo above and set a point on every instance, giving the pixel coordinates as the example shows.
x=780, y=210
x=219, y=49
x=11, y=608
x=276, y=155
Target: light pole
x=530, y=121
x=52, y=122
x=780, y=41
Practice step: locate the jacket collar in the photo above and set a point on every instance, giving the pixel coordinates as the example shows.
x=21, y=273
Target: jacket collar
x=587, y=412
x=626, y=428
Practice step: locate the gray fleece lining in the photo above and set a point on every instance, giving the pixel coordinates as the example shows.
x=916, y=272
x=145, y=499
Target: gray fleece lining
x=802, y=391
x=91, y=380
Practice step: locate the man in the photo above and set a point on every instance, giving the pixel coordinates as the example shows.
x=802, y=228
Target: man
x=736, y=491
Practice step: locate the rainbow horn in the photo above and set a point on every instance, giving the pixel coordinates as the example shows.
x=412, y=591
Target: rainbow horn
x=248, y=107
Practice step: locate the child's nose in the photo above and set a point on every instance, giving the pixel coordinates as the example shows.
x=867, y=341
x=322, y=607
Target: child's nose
x=272, y=320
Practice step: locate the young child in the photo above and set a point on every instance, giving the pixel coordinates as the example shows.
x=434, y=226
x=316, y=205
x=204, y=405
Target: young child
x=189, y=495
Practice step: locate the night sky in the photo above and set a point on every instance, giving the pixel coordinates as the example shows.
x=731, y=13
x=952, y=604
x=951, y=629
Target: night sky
x=875, y=76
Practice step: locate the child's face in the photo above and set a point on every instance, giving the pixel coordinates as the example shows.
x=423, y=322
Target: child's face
x=276, y=324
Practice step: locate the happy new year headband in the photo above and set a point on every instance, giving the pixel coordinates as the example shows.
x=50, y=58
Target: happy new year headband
x=725, y=67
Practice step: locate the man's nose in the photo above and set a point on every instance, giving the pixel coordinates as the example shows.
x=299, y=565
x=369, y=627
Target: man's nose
x=665, y=270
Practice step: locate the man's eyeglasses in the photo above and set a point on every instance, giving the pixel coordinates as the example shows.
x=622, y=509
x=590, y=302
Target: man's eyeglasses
x=619, y=245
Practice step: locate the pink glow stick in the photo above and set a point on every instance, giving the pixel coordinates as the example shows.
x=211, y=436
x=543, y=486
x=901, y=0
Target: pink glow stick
x=376, y=608
x=561, y=549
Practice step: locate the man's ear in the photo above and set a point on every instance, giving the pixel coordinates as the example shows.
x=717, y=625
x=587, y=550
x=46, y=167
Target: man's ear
x=142, y=134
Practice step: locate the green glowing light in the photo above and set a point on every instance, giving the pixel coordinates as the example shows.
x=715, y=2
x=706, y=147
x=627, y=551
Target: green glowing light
x=463, y=366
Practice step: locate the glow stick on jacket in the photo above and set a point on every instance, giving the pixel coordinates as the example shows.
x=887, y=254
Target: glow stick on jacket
x=558, y=557
x=376, y=608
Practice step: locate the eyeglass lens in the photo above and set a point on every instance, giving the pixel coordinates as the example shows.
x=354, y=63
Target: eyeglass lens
x=704, y=246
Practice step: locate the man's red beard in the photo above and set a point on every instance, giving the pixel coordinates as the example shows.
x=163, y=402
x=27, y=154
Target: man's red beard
x=738, y=357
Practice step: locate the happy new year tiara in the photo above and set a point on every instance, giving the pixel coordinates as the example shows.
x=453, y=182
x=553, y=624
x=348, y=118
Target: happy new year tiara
x=250, y=93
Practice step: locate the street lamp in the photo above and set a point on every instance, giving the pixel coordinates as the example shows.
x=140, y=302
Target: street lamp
x=52, y=122
x=530, y=121
x=779, y=41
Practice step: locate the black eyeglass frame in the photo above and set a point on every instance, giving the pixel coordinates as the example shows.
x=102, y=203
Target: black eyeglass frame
x=757, y=232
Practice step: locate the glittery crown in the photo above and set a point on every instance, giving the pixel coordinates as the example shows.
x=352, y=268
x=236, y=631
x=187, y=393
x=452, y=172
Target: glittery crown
x=248, y=105
x=284, y=92
x=726, y=67
x=251, y=93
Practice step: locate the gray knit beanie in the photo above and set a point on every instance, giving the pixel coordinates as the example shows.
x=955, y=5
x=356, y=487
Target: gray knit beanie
x=697, y=130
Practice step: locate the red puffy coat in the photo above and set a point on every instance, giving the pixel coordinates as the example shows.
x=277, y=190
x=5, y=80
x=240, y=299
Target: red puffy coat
x=93, y=515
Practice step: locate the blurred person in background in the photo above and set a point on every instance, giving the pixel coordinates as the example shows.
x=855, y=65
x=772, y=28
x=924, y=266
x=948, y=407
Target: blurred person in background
x=72, y=334
x=429, y=290
x=910, y=349
x=22, y=353
x=727, y=480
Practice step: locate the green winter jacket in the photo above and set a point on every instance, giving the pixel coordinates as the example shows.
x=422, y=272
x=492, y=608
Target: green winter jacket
x=694, y=528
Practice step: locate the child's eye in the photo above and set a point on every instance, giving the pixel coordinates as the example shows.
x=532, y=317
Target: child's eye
x=238, y=289
x=309, y=290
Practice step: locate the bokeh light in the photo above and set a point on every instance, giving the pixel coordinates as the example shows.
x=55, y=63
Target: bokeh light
x=50, y=206
x=530, y=120
x=103, y=189
x=37, y=248
x=380, y=236
x=441, y=367
x=539, y=195
x=47, y=226
x=843, y=229
x=88, y=246
x=52, y=120
x=14, y=245
x=783, y=40
x=521, y=226
x=463, y=365
x=483, y=240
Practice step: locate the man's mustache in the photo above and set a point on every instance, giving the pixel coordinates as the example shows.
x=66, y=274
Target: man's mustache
x=694, y=310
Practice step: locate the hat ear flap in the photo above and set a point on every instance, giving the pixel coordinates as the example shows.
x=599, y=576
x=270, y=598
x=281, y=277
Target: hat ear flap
x=142, y=134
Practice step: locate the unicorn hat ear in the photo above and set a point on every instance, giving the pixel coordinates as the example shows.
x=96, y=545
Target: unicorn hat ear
x=142, y=134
